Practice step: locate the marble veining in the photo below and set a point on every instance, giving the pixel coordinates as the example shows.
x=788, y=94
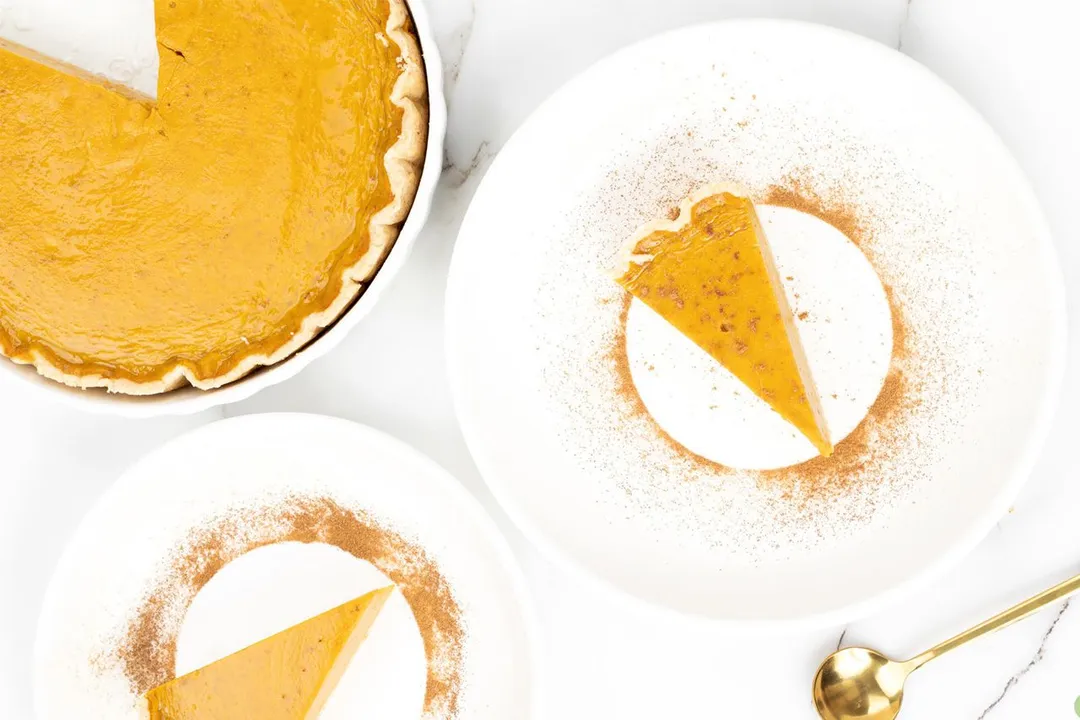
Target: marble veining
x=458, y=175
x=1035, y=660
x=903, y=25
x=459, y=45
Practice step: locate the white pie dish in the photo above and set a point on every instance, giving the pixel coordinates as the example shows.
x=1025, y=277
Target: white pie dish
x=188, y=400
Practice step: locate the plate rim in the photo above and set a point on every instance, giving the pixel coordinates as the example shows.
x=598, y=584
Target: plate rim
x=950, y=557
x=404, y=451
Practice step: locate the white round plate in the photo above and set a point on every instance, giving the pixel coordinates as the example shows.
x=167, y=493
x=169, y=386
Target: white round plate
x=115, y=38
x=930, y=306
x=167, y=503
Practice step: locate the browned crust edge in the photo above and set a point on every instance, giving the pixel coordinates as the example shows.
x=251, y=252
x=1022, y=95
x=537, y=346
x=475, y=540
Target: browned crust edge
x=404, y=162
x=628, y=255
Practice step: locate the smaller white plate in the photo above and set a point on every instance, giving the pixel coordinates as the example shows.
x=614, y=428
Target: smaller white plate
x=130, y=540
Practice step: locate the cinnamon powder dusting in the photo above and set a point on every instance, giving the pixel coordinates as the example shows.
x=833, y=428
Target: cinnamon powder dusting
x=797, y=194
x=147, y=646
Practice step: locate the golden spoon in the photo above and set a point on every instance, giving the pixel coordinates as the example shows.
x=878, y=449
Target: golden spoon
x=861, y=684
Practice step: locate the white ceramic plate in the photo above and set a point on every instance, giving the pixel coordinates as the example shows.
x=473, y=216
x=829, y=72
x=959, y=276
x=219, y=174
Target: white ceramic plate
x=126, y=545
x=625, y=452
x=115, y=38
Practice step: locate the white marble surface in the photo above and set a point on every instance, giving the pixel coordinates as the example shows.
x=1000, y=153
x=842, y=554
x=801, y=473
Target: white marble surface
x=1015, y=62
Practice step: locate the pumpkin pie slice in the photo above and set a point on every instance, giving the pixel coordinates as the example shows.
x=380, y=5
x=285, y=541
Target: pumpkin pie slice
x=710, y=273
x=189, y=240
x=288, y=676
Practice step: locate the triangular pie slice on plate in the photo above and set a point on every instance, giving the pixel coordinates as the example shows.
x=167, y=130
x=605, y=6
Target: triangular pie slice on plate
x=710, y=274
x=288, y=676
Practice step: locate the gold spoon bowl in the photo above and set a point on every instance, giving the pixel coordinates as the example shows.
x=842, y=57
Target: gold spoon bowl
x=859, y=683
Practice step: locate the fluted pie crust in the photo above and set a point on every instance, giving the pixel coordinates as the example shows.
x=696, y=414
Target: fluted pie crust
x=75, y=326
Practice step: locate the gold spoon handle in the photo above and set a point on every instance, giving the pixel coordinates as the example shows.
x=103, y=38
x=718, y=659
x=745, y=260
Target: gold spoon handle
x=1016, y=612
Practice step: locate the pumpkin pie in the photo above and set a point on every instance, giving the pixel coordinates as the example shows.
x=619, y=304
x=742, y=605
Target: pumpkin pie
x=288, y=676
x=149, y=244
x=710, y=274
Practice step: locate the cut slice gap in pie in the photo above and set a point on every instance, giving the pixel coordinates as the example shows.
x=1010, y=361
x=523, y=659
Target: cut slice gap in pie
x=288, y=676
x=711, y=275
